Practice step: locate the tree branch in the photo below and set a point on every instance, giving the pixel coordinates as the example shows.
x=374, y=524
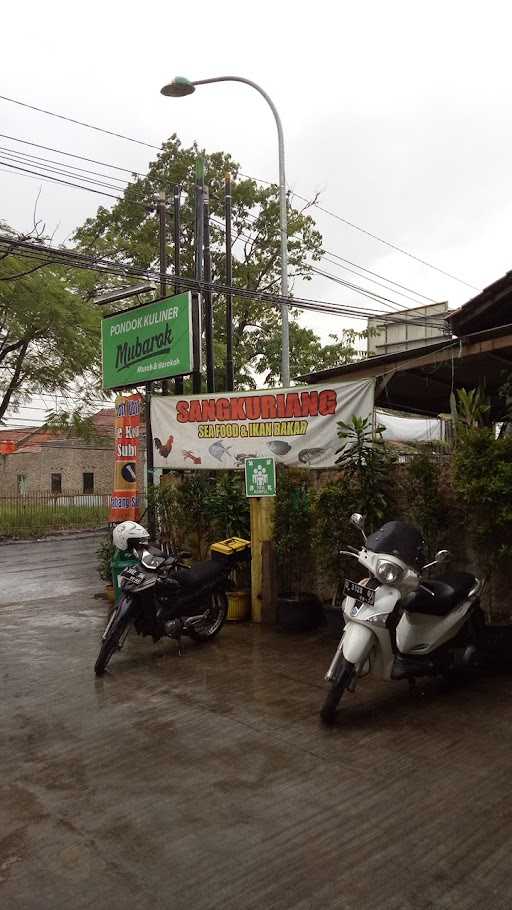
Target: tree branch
x=14, y=379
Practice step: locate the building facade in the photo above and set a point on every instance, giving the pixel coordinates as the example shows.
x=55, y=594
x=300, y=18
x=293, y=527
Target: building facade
x=36, y=460
x=414, y=328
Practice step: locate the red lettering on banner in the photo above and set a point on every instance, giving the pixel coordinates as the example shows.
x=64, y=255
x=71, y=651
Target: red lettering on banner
x=293, y=406
x=196, y=412
x=258, y=407
x=209, y=410
x=238, y=409
x=182, y=411
x=252, y=407
x=222, y=409
x=309, y=404
x=268, y=407
x=327, y=402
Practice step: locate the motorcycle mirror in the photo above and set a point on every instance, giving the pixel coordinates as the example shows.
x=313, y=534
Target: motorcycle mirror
x=442, y=555
x=358, y=521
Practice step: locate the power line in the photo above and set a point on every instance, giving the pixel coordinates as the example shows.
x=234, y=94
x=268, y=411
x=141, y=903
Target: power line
x=357, y=289
x=387, y=243
x=58, y=180
x=23, y=156
x=326, y=211
x=13, y=161
x=252, y=217
x=248, y=215
x=380, y=284
x=49, y=148
x=101, y=264
x=384, y=278
x=90, y=126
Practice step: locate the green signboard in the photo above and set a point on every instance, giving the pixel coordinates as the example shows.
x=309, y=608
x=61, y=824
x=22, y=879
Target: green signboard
x=260, y=477
x=148, y=342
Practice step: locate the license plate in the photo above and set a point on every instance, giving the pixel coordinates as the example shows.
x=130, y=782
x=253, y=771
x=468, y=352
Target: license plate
x=133, y=576
x=366, y=595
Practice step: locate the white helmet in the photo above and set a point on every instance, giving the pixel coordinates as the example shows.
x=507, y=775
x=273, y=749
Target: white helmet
x=128, y=533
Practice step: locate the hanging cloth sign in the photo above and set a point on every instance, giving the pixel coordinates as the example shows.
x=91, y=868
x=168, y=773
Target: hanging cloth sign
x=296, y=426
x=124, y=504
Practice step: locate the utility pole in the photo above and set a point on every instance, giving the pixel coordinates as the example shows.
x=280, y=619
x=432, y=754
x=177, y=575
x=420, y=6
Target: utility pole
x=162, y=213
x=208, y=307
x=150, y=462
x=178, y=382
x=230, y=377
x=199, y=238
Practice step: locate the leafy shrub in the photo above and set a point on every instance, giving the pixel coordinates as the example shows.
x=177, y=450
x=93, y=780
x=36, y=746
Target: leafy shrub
x=293, y=530
x=194, y=511
x=483, y=480
x=104, y=554
x=427, y=502
x=367, y=464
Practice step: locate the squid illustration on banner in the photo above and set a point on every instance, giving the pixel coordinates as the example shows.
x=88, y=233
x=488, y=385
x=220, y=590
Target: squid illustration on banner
x=295, y=426
x=124, y=503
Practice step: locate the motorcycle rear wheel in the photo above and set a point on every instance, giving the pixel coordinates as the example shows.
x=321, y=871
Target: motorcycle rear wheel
x=217, y=612
x=110, y=645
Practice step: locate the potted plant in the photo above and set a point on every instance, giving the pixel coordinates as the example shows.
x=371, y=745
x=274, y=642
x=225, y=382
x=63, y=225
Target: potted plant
x=297, y=608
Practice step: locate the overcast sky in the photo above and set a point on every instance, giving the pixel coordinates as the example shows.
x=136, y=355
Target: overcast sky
x=398, y=112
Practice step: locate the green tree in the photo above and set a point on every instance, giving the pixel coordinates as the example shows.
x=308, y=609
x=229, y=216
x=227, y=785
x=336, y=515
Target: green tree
x=49, y=337
x=129, y=234
x=366, y=462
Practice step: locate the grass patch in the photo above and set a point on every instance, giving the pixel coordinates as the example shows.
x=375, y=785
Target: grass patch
x=42, y=520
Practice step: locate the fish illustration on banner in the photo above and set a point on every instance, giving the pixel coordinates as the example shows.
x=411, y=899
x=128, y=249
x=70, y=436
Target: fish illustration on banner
x=297, y=426
x=124, y=502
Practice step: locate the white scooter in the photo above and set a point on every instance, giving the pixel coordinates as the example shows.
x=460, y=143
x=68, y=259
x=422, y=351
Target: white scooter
x=398, y=625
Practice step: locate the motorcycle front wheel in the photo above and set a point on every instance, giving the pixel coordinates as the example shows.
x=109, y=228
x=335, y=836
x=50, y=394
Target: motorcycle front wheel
x=117, y=626
x=214, y=620
x=333, y=697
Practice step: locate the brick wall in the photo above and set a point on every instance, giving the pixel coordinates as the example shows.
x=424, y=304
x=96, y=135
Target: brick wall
x=70, y=460
x=69, y=457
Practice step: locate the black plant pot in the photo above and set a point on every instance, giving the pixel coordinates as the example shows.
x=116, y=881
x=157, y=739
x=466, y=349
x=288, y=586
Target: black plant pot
x=299, y=612
x=335, y=621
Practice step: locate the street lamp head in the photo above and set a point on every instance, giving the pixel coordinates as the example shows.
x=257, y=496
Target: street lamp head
x=178, y=88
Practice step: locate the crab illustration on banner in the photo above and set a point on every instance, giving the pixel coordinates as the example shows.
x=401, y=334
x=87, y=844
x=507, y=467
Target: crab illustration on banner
x=296, y=427
x=125, y=503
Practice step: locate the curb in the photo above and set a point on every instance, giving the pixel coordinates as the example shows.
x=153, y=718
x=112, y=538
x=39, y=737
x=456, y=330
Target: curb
x=57, y=535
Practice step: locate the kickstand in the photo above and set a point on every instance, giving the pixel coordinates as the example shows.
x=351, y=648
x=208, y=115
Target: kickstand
x=180, y=649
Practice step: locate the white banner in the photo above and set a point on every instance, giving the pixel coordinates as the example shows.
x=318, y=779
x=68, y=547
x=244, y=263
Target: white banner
x=296, y=426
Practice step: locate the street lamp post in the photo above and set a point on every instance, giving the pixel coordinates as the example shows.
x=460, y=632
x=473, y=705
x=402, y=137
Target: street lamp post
x=180, y=87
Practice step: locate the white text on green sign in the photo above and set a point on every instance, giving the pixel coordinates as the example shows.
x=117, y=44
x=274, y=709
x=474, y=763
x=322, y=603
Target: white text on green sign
x=148, y=343
x=260, y=477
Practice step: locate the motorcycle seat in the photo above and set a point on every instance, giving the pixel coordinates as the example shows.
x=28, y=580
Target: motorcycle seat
x=200, y=574
x=449, y=592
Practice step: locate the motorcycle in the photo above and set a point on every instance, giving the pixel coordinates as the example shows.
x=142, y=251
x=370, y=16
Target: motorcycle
x=399, y=625
x=162, y=596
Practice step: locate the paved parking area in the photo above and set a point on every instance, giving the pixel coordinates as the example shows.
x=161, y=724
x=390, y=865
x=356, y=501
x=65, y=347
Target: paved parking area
x=205, y=781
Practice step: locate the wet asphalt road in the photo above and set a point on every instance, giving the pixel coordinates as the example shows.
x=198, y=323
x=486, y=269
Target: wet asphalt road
x=204, y=782
x=35, y=570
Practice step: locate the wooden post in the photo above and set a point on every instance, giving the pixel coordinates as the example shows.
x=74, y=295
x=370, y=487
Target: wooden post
x=262, y=525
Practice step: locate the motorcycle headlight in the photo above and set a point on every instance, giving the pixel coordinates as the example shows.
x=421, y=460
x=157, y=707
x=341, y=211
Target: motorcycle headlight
x=389, y=573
